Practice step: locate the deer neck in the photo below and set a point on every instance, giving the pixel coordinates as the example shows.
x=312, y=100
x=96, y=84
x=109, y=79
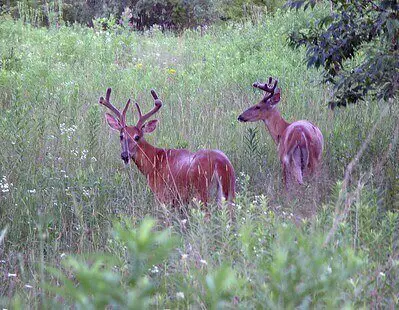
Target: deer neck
x=276, y=125
x=144, y=157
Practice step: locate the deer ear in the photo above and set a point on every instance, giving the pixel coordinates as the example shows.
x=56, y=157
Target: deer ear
x=275, y=99
x=149, y=126
x=113, y=122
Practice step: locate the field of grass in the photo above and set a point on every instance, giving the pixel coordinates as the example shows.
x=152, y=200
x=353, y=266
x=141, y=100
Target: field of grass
x=68, y=202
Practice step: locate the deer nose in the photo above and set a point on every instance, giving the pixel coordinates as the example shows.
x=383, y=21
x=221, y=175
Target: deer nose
x=125, y=156
x=241, y=119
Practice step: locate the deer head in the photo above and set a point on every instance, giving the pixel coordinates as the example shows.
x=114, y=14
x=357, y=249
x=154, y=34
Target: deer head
x=130, y=136
x=262, y=109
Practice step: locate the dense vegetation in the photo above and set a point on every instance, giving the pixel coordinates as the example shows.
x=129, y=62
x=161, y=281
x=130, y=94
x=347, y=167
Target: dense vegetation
x=140, y=14
x=73, y=226
x=365, y=30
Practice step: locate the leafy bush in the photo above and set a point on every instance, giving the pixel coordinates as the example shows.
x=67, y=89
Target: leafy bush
x=107, y=281
x=364, y=31
x=143, y=14
x=172, y=14
x=248, y=9
x=102, y=280
x=303, y=273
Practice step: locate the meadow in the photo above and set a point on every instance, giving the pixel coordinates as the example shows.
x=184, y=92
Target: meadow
x=75, y=227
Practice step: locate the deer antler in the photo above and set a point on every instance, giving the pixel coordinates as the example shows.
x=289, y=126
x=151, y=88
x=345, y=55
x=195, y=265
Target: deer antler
x=158, y=105
x=138, y=110
x=105, y=102
x=123, y=119
x=267, y=87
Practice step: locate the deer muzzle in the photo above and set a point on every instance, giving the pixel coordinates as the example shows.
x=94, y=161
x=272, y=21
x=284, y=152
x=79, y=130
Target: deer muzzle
x=241, y=118
x=125, y=157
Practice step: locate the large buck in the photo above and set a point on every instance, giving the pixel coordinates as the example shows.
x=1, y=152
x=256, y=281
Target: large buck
x=175, y=176
x=300, y=144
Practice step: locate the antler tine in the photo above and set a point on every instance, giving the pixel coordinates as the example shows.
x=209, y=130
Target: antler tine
x=108, y=94
x=123, y=119
x=275, y=84
x=158, y=105
x=105, y=102
x=267, y=87
x=271, y=89
x=138, y=109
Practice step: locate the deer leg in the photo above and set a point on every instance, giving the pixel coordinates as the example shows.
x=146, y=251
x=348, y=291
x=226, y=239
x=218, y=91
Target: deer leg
x=224, y=197
x=202, y=196
x=285, y=177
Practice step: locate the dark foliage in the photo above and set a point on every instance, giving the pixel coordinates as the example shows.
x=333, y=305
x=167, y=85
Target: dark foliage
x=172, y=14
x=169, y=14
x=357, y=45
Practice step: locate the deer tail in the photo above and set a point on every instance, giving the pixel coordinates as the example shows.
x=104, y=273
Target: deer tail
x=300, y=158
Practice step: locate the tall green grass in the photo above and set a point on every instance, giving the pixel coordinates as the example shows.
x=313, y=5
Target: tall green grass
x=66, y=184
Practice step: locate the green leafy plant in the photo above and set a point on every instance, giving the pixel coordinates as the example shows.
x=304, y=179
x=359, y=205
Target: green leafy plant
x=303, y=273
x=218, y=287
x=356, y=45
x=251, y=141
x=100, y=282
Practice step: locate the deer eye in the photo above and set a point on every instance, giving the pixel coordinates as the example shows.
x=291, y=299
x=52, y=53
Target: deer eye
x=257, y=107
x=136, y=138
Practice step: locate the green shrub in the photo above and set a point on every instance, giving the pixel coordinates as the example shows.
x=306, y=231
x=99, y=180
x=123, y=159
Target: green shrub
x=104, y=281
x=248, y=9
x=303, y=273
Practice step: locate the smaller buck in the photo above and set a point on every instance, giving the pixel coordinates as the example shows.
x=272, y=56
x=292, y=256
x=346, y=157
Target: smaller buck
x=175, y=176
x=300, y=144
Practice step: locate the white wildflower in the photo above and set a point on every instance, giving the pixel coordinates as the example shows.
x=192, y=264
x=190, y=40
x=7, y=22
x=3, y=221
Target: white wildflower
x=4, y=185
x=62, y=128
x=154, y=269
x=31, y=191
x=86, y=192
x=179, y=295
x=68, y=131
x=84, y=154
x=12, y=275
x=203, y=262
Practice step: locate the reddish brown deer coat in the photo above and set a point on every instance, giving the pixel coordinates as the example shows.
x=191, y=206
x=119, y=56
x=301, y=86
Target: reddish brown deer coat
x=176, y=176
x=300, y=144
